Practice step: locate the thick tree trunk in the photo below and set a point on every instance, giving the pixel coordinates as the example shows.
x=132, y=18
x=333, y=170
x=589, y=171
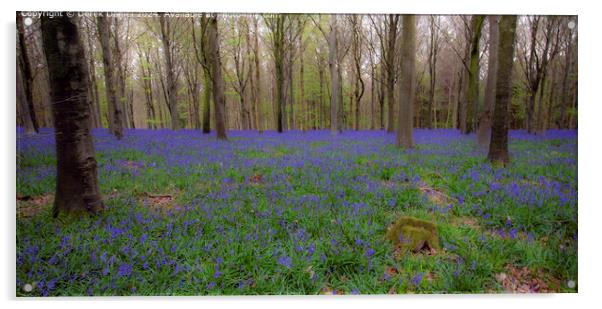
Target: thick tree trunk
x=115, y=111
x=407, y=89
x=77, y=182
x=26, y=76
x=498, y=147
x=484, y=131
x=216, y=78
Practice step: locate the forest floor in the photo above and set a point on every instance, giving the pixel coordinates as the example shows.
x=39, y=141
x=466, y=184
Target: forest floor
x=301, y=213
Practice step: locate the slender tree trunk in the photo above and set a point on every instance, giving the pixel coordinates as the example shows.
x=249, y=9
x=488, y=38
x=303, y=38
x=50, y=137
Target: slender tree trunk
x=498, y=147
x=216, y=78
x=564, y=98
x=484, y=131
x=172, y=101
x=26, y=76
x=390, y=65
x=334, y=75
x=258, y=103
x=93, y=84
x=472, y=90
x=407, y=89
x=22, y=107
x=115, y=111
x=77, y=181
x=432, y=63
x=120, y=79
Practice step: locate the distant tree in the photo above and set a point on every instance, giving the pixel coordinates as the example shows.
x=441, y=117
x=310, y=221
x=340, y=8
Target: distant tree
x=282, y=34
x=357, y=46
x=498, y=147
x=467, y=124
x=77, y=182
x=172, y=99
x=407, y=90
x=433, y=51
x=484, y=130
x=115, y=110
x=217, y=81
x=26, y=81
x=202, y=55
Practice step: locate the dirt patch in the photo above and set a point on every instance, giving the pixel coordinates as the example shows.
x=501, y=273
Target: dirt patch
x=160, y=203
x=525, y=280
x=437, y=197
x=29, y=206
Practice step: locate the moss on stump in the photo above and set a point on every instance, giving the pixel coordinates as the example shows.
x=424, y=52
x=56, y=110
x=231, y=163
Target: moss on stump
x=413, y=235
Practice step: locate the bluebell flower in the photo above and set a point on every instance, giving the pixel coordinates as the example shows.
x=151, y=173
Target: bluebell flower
x=125, y=270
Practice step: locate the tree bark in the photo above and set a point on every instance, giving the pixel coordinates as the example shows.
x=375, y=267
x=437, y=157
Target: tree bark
x=498, y=147
x=216, y=77
x=432, y=64
x=472, y=90
x=77, y=182
x=172, y=101
x=484, y=131
x=26, y=77
x=334, y=75
x=115, y=111
x=407, y=90
x=390, y=62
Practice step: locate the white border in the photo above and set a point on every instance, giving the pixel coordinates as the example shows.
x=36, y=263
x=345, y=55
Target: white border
x=589, y=139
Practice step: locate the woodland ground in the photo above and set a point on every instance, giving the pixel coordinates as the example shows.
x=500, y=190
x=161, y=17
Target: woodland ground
x=301, y=213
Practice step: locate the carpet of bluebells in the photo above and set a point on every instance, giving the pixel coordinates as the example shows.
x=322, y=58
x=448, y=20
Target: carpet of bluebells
x=299, y=213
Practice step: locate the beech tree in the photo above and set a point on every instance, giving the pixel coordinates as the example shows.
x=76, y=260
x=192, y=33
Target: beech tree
x=77, y=181
x=498, y=147
x=115, y=110
x=467, y=118
x=484, y=130
x=406, y=95
x=217, y=81
x=25, y=81
x=172, y=100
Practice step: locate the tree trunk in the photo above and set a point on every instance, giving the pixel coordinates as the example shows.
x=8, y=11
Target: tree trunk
x=77, y=182
x=115, y=111
x=93, y=84
x=23, y=107
x=498, y=147
x=484, y=131
x=432, y=64
x=472, y=90
x=407, y=89
x=26, y=76
x=120, y=76
x=334, y=75
x=257, y=103
x=216, y=78
x=172, y=101
x=390, y=69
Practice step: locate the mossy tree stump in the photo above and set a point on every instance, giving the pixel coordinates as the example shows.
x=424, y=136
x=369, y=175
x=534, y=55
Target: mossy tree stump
x=413, y=235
